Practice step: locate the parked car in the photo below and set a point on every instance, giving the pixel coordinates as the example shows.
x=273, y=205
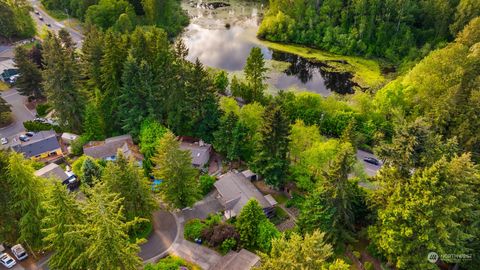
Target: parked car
x=24, y=138
x=30, y=134
x=19, y=252
x=371, y=160
x=48, y=24
x=36, y=12
x=7, y=260
x=4, y=141
x=40, y=120
x=40, y=18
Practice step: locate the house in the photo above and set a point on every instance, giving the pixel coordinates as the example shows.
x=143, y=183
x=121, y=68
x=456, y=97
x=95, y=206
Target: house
x=53, y=171
x=235, y=190
x=199, y=151
x=42, y=145
x=107, y=150
x=242, y=260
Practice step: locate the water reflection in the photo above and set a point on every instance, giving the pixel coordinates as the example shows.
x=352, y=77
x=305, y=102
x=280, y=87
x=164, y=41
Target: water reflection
x=215, y=45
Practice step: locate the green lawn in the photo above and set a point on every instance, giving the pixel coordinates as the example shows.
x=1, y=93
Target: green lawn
x=280, y=198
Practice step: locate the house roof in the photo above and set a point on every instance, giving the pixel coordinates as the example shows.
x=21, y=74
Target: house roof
x=52, y=171
x=242, y=260
x=40, y=142
x=199, y=151
x=235, y=191
x=109, y=148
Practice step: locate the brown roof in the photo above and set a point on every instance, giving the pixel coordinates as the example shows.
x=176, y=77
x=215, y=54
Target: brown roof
x=242, y=260
x=108, y=148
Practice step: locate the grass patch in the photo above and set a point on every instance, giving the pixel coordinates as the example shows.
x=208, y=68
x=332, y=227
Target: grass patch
x=366, y=72
x=4, y=86
x=55, y=13
x=280, y=198
x=171, y=263
x=280, y=216
x=142, y=231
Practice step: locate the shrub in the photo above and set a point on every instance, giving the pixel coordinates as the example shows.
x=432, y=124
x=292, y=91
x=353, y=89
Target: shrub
x=171, y=263
x=213, y=220
x=193, y=229
x=217, y=234
x=228, y=245
x=368, y=266
x=37, y=126
x=267, y=231
x=77, y=145
x=42, y=109
x=295, y=201
x=206, y=183
x=356, y=254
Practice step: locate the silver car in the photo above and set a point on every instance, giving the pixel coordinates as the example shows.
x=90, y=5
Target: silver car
x=7, y=261
x=19, y=252
x=3, y=141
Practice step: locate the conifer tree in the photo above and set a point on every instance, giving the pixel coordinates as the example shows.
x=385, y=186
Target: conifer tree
x=174, y=167
x=93, y=126
x=255, y=73
x=127, y=179
x=271, y=158
x=91, y=171
x=248, y=224
x=29, y=82
x=5, y=110
x=62, y=213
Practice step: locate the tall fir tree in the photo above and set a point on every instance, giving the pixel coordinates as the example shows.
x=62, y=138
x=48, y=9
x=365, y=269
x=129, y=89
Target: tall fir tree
x=61, y=82
x=248, y=224
x=62, y=213
x=271, y=159
x=93, y=126
x=127, y=179
x=29, y=82
x=7, y=214
x=174, y=166
x=255, y=73
x=91, y=171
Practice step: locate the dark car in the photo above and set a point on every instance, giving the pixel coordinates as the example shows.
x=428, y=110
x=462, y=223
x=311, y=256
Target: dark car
x=47, y=24
x=30, y=134
x=371, y=160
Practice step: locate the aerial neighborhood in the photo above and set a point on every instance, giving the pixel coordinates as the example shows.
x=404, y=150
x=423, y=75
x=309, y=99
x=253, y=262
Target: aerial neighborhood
x=238, y=135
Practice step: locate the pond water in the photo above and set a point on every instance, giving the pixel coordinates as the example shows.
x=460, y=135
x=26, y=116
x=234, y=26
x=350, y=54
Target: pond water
x=218, y=45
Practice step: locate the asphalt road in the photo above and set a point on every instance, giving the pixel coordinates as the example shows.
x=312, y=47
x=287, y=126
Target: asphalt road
x=54, y=25
x=20, y=114
x=370, y=169
x=164, y=233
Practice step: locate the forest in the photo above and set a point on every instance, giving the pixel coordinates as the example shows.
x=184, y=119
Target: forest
x=399, y=31
x=129, y=76
x=15, y=22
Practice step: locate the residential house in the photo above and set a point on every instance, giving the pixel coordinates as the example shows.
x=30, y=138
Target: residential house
x=235, y=190
x=42, y=145
x=53, y=171
x=199, y=151
x=107, y=150
x=242, y=260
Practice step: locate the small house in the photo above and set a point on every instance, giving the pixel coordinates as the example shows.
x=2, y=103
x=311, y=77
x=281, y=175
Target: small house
x=107, y=150
x=199, y=151
x=42, y=145
x=53, y=171
x=235, y=190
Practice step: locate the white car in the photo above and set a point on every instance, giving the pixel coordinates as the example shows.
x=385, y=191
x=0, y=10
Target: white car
x=7, y=261
x=19, y=252
x=3, y=141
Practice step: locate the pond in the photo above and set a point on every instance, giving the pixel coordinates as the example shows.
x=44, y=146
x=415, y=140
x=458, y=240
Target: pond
x=222, y=37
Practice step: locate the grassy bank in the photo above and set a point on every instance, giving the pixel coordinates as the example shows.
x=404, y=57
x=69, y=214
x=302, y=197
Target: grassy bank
x=366, y=72
x=4, y=86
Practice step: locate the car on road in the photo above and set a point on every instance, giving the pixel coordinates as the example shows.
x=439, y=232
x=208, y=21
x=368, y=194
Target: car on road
x=19, y=252
x=40, y=18
x=24, y=138
x=30, y=134
x=7, y=260
x=4, y=141
x=36, y=12
x=371, y=160
x=49, y=25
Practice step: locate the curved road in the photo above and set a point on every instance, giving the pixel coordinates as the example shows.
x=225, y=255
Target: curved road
x=164, y=232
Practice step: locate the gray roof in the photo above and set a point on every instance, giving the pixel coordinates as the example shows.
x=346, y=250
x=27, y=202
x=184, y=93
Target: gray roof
x=41, y=142
x=235, y=190
x=109, y=148
x=52, y=171
x=200, y=152
x=242, y=260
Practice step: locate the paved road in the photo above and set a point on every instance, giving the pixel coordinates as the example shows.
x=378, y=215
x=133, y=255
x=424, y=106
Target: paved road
x=370, y=169
x=164, y=233
x=54, y=25
x=20, y=114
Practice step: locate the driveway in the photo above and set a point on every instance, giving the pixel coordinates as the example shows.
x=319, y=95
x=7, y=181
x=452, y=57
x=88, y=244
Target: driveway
x=370, y=169
x=20, y=114
x=164, y=233
x=201, y=209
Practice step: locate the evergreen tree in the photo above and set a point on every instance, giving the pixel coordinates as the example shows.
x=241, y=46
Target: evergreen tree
x=7, y=214
x=29, y=82
x=61, y=81
x=330, y=207
x=93, y=127
x=5, y=111
x=151, y=132
x=271, y=158
x=221, y=82
x=436, y=209
x=248, y=224
x=91, y=171
x=106, y=233
x=224, y=138
x=310, y=252
x=62, y=213
x=27, y=198
x=92, y=53
x=255, y=73
x=174, y=166
x=127, y=179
